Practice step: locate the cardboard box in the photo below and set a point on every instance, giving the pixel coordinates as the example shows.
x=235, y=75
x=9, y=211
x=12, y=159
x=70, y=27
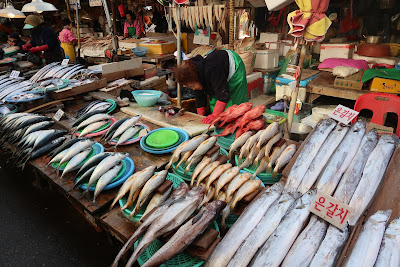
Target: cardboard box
x=385, y=86
x=352, y=82
x=336, y=50
x=379, y=128
x=159, y=48
x=255, y=88
x=150, y=70
x=266, y=37
x=156, y=83
x=123, y=69
x=266, y=59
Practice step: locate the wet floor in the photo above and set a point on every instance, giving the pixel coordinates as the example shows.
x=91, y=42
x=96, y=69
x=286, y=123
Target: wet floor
x=41, y=228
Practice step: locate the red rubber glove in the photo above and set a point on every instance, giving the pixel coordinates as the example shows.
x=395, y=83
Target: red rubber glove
x=218, y=109
x=27, y=46
x=126, y=34
x=201, y=111
x=39, y=49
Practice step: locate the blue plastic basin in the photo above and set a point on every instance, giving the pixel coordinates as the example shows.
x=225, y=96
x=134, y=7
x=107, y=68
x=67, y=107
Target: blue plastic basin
x=146, y=98
x=140, y=51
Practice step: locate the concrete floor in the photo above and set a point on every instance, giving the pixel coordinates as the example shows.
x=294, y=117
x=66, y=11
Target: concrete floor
x=41, y=228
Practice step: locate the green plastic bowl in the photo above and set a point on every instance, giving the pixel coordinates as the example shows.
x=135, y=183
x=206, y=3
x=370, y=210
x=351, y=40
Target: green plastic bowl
x=162, y=138
x=146, y=98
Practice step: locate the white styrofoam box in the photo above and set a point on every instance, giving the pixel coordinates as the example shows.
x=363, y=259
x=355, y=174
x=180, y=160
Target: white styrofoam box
x=282, y=90
x=266, y=37
x=337, y=50
x=285, y=48
x=273, y=45
x=376, y=60
x=254, y=76
x=316, y=48
x=275, y=5
x=267, y=59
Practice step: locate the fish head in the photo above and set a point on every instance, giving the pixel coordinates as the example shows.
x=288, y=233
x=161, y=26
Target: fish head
x=197, y=191
x=182, y=189
x=121, y=156
x=216, y=206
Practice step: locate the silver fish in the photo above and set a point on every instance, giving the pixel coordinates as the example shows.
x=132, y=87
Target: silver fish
x=75, y=149
x=365, y=251
x=156, y=200
x=93, y=119
x=239, y=142
x=105, y=179
x=125, y=125
x=389, y=254
x=284, y=158
x=75, y=161
x=58, y=157
x=130, y=132
x=204, y=147
x=92, y=127
x=372, y=177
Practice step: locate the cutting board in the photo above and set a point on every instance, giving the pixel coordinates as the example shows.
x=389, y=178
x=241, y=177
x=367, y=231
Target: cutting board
x=189, y=122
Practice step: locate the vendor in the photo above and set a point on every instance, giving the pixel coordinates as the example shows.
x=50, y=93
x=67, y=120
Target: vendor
x=68, y=40
x=15, y=40
x=129, y=27
x=221, y=77
x=43, y=39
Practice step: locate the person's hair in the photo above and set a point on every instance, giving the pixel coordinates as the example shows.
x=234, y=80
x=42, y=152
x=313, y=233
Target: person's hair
x=186, y=73
x=66, y=22
x=132, y=15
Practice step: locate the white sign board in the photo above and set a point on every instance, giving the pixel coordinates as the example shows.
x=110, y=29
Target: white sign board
x=330, y=209
x=93, y=3
x=58, y=115
x=73, y=3
x=343, y=114
x=65, y=61
x=14, y=74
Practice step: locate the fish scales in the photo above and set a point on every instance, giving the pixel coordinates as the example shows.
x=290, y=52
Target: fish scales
x=308, y=153
x=389, y=253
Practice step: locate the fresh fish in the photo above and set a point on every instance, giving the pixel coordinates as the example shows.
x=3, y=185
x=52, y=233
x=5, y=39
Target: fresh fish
x=105, y=165
x=143, y=133
x=284, y=158
x=241, y=229
x=105, y=179
x=246, y=189
x=173, y=217
x=253, y=125
x=46, y=138
x=239, y=142
x=93, y=119
x=199, y=168
x=262, y=167
x=130, y=132
x=250, y=158
x=366, y=249
x=193, y=162
x=236, y=113
x=45, y=149
x=272, y=142
x=225, y=178
x=372, y=177
x=65, y=146
x=236, y=183
x=217, y=173
x=222, y=116
x=260, y=156
x=75, y=161
x=207, y=197
x=136, y=182
x=331, y=247
x=307, y=243
x=204, y=147
x=125, y=125
x=278, y=244
x=93, y=161
x=263, y=230
x=92, y=127
x=308, y=153
x=322, y=157
x=389, y=254
x=267, y=134
x=244, y=151
x=184, y=157
x=58, y=157
x=221, y=196
x=207, y=171
x=194, y=143
x=341, y=159
x=175, y=156
x=44, y=125
x=156, y=200
x=84, y=177
x=75, y=149
x=113, y=128
x=276, y=153
x=352, y=175
x=252, y=115
x=187, y=233
x=152, y=184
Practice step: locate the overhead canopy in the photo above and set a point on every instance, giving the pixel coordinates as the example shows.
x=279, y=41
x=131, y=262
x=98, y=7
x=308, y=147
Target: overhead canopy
x=310, y=21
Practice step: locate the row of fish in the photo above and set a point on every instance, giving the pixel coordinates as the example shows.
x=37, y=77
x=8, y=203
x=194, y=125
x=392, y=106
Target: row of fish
x=101, y=106
x=171, y=215
x=57, y=71
x=10, y=86
x=263, y=149
x=240, y=118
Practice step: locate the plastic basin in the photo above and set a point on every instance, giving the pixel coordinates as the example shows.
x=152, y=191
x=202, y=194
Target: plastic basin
x=140, y=51
x=146, y=98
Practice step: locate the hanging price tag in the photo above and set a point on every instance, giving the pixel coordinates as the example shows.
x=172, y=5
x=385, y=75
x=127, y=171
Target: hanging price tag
x=58, y=115
x=65, y=61
x=93, y=3
x=330, y=209
x=14, y=74
x=343, y=114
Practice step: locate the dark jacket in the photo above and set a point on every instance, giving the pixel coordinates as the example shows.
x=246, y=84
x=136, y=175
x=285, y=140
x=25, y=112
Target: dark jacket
x=44, y=35
x=20, y=43
x=213, y=73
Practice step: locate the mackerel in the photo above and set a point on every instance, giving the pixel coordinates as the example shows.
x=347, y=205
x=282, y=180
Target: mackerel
x=341, y=159
x=93, y=119
x=263, y=230
x=322, y=157
x=65, y=146
x=76, y=148
x=365, y=251
x=129, y=133
x=241, y=229
x=308, y=153
x=92, y=127
x=389, y=254
x=93, y=161
x=113, y=128
x=372, y=177
x=84, y=177
x=75, y=161
x=278, y=244
x=105, y=179
x=125, y=125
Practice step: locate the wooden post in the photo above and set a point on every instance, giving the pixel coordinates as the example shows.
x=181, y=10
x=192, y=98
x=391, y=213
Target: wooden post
x=178, y=49
x=231, y=24
x=68, y=10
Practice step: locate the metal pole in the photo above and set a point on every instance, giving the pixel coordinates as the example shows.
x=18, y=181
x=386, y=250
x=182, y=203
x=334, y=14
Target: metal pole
x=77, y=25
x=178, y=49
x=114, y=43
x=295, y=92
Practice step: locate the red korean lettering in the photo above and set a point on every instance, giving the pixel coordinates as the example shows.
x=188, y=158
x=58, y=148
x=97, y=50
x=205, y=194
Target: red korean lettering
x=338, y=110
x=342, y=214
x=331, y=212
x=320, y=201
x=343, y=114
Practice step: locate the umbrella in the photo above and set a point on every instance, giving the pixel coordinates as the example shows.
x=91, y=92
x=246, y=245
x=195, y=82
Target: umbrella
x=310, y=21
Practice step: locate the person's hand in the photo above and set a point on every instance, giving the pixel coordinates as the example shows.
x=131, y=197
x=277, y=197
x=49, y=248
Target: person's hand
x=27, y=46
x=209, y=119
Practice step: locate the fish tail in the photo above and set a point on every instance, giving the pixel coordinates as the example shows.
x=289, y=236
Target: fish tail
x=274, y=173
x=269, y=169
x=168, y=166
x=188, y=168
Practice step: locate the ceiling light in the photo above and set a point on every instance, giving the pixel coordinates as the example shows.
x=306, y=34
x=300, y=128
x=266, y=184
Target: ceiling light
x=10, y=12
x=38, y=6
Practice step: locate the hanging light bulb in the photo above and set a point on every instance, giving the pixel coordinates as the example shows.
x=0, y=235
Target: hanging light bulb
x=10, y=12
x=38, y=6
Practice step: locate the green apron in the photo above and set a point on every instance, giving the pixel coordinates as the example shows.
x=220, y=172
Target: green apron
x=131, y=31
x=237, y=84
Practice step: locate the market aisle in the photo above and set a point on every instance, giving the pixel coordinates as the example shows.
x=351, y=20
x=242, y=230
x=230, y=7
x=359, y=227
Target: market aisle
x=42, y=228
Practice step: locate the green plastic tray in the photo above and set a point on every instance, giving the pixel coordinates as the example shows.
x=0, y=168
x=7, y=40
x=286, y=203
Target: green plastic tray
x=265, y=177
x=162, y=138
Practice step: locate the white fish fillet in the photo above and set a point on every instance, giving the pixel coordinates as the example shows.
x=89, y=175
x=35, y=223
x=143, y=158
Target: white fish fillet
x=372, y=177
x=389, y=253
x=308, y=153
x=366, y=249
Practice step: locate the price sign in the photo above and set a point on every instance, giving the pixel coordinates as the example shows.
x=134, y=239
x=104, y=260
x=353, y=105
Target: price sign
x=330, y=209
x=58, y=115
x=14, y=74
x=65, y=61
x=93, y=3
x=343, y=114
x=74, y=3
